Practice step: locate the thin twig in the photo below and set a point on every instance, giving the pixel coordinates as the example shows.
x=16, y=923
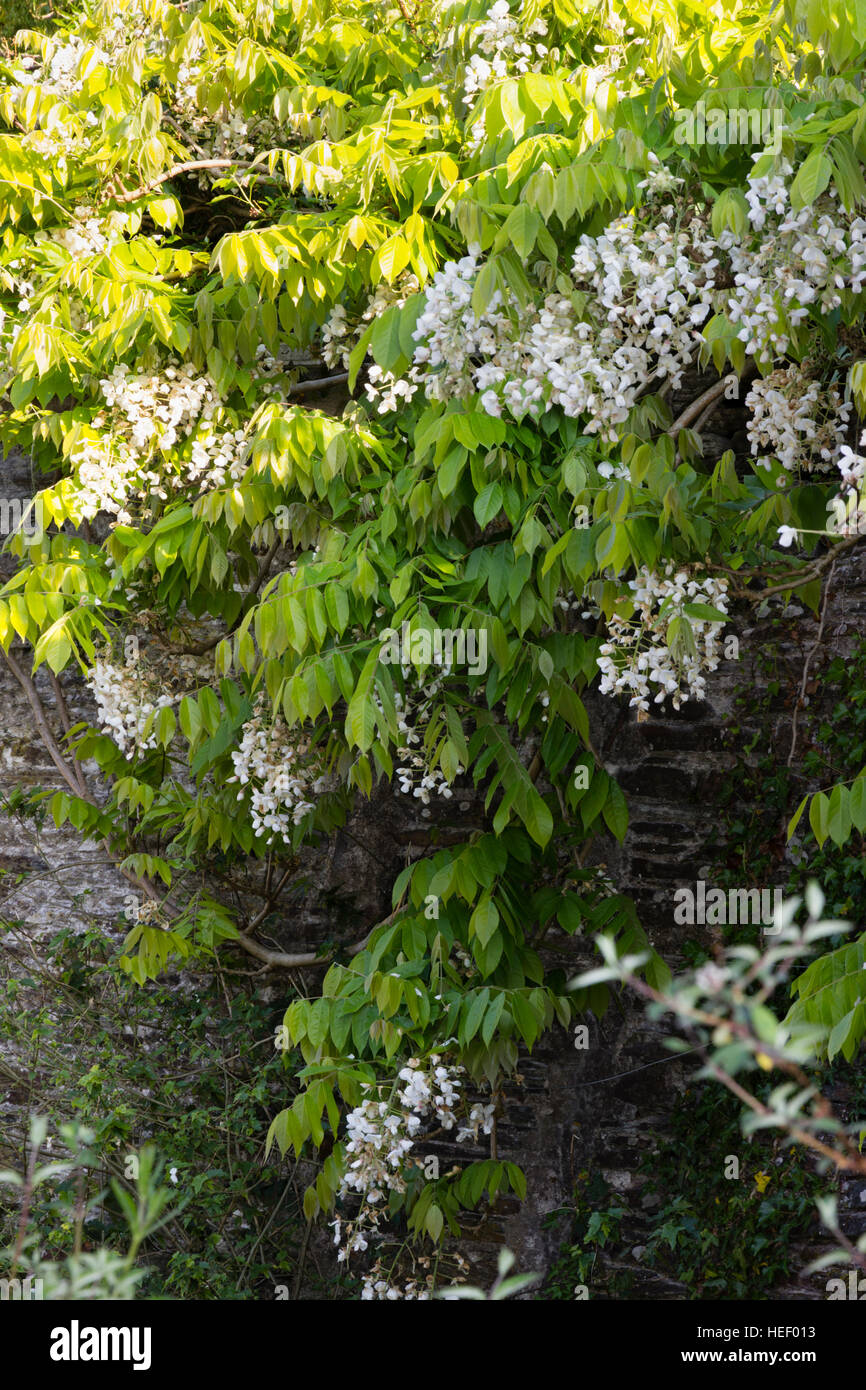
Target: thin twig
x=811, y=652
x=201, y=648
x=302, y=1258
x=63, y=712
x=270, y=902
x=847, y=1157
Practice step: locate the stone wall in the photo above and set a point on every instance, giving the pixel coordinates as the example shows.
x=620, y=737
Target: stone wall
x=570, y=1110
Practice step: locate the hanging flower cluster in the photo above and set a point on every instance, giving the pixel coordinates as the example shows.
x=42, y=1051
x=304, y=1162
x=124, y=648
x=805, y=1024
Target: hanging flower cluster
x=389, y=1281
x=218, y=456
x=128, y=699
x=502, y=49
x=84, y=235
x=660, y=181
x=643, y=291
x=19, y=285
x=786, y=261
x=158, y=408
x=480, y=1121
x=59, y=144
x=282, y=772
x=847, y=511
x=796, y=420
x=88, y=234
x=380, y=1137
x=61, y=69
x=415, y=777
x=116, y=460
x=376, y=1284
x=150, y=415
x=64, y=64
x=109, y=475
x=645, y=658
x=341, y=333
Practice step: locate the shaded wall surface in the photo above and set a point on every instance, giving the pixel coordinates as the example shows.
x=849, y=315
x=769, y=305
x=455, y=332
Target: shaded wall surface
x=570, y=1110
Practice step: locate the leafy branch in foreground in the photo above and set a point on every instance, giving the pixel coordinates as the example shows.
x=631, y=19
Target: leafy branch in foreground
x=726, y=1009
x=83, y=1274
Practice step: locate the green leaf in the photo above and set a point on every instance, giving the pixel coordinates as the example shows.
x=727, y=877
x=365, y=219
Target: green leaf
x=361, y=713
x=385, y=343
x=475, y=1014
x=488, y=504
x=615, y=811
x=795, y=819
x=484, y=920
x=705, y=613
x=391, y=258
x=857, y=804
x=819, y=817
x=434, y=1222
x=839, y=815
x=812, y=178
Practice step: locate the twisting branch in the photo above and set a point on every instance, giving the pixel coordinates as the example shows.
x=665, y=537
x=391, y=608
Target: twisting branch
x=284, y=960
x=288, y=960
x=45, y=733
x=706, y=415
x=53, y=749
x=816, y=569
x=304, y=388
x=190, y=166
x=692, y=411
x=269, y=903
x=795, y=580
x=264, y=566
x=278, y=960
